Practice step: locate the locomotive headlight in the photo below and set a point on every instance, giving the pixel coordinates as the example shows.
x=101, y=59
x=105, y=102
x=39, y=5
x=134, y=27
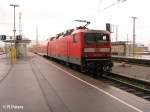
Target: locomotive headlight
x=104, y=49
x=89, y=49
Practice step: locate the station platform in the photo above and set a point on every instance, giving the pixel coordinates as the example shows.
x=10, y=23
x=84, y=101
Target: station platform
x=35, y=84
x=144, y=57
x=133, y=71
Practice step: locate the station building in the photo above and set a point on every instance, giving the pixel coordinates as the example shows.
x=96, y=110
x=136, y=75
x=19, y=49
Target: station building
x=125, y=48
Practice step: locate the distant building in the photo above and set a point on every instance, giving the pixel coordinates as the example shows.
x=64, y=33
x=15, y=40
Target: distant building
x=125, y=48
x=140, y=48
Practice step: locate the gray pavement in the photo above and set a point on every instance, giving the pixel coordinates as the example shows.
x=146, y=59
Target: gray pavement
x=20, y=89
x=39, y=85
x=133, y=71
x=5, y=66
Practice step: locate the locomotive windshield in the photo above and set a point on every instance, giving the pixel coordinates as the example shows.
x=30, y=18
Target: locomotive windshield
x=96, y=37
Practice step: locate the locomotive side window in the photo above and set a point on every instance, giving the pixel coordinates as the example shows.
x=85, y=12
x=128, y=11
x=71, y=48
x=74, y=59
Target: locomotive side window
x=75, y=39
x=96, y=37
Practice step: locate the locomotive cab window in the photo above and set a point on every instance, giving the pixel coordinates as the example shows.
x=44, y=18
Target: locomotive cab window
x=102, y=38
x=75, y=39
x=96, y=37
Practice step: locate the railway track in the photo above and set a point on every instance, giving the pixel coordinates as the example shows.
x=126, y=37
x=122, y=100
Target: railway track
x=136, y=87
x=133, y=86
x=142, y=62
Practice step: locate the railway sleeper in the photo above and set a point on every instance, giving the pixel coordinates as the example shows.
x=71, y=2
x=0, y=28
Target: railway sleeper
x=137, y=92
x=146, y=96
x=130, y=90
x=124, y=87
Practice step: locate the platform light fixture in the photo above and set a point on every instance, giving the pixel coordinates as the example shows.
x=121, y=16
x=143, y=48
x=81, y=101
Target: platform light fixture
x=14, y=30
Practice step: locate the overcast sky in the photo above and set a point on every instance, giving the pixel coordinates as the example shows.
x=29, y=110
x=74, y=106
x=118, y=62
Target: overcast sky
x=54, y=16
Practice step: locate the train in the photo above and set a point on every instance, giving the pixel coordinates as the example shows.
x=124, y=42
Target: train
x=88, y=49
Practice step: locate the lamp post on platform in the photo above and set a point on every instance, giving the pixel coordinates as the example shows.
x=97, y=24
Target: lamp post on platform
x=13, y=50
x=14, y=30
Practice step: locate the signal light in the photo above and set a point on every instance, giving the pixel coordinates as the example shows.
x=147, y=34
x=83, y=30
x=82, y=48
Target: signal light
x=19, y=37
x=108, y=27
x=2, y=37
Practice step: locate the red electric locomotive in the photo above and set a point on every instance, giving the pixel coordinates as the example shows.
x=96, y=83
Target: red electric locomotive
x=89, y=49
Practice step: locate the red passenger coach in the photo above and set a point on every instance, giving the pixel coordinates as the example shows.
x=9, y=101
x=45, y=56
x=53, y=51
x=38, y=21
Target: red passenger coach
x=40, y=48
x=89, y=49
